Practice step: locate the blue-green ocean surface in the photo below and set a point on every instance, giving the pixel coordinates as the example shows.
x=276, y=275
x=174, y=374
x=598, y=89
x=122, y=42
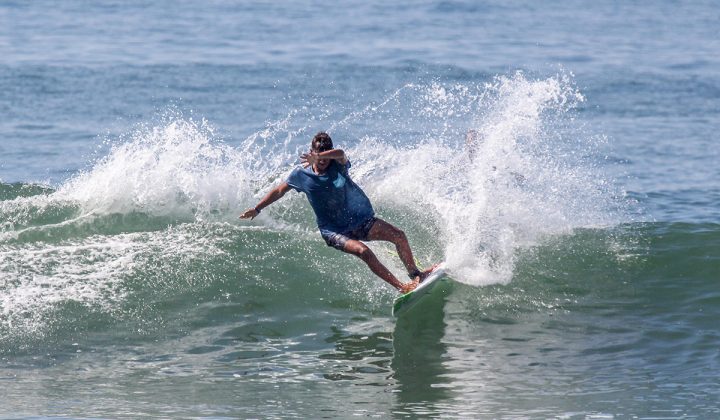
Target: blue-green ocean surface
x=581, y=225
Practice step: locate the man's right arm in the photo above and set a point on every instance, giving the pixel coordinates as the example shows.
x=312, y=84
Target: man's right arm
x=271, y=197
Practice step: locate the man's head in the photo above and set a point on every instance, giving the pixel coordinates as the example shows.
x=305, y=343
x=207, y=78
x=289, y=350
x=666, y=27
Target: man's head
x=321, y=142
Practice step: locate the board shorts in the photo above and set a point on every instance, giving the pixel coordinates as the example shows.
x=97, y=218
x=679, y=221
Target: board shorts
x=338, y=240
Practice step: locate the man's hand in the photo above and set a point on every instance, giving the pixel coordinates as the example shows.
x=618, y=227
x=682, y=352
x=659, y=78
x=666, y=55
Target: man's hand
x=249, y=214
x=309, y=159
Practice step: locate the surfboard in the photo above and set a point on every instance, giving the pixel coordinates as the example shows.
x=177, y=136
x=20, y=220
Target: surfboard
x=404, y=302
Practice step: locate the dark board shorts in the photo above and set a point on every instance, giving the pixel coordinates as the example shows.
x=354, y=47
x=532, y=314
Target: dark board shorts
x=338, y=240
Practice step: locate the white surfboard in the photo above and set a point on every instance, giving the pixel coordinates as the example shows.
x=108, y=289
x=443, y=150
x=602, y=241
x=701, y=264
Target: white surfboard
x=404, y=302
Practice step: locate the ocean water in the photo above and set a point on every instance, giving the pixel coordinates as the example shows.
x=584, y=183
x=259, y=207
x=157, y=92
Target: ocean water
x=581, y=228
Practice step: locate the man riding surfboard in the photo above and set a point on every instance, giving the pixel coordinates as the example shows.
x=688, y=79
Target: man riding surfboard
x=344, y=214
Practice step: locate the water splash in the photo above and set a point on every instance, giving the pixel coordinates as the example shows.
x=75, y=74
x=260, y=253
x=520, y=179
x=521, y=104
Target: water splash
x=524, y=173
x=487, y=167
x=518, y=174
x=178, y=169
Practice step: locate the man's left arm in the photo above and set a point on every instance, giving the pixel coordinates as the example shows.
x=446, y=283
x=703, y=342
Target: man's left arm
x=334, y=154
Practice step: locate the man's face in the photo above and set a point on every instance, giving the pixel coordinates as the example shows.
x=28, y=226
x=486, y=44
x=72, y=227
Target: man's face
x=322, y=164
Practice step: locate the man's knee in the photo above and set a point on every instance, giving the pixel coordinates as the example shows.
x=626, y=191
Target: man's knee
x=363, y=252
x=397, y=235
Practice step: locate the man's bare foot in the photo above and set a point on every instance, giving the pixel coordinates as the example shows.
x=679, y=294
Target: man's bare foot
x=423, y=274
x=410, y=286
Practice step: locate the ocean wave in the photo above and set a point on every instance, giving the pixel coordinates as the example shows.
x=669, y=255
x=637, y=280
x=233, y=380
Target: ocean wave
x=488, y=173
x=142, y=283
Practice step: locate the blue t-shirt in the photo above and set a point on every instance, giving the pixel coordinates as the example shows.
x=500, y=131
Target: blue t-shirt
x=339, y=204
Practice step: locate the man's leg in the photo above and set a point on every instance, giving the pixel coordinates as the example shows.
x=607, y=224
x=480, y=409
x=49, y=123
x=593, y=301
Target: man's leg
x=384, y=231
x=364, y=253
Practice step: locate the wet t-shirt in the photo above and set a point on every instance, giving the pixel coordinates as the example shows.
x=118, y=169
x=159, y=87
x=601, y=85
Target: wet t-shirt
x=339, y=204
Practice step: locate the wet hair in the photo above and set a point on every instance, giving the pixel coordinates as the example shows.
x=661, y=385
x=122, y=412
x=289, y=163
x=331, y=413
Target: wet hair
x=321, y=142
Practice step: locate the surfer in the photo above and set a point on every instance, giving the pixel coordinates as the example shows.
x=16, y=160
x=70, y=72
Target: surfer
x=344, y=214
